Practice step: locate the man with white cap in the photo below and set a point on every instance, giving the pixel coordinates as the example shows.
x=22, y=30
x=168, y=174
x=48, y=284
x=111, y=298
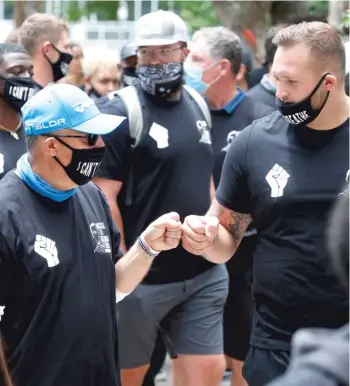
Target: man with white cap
x=61, y=270
x=167, y=164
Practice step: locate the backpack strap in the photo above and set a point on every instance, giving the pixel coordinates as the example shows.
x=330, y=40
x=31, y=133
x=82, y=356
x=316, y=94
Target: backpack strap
x=131, y=101
x=201, y=104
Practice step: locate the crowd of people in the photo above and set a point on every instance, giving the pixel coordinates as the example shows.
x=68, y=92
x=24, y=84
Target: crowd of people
x=176, y=201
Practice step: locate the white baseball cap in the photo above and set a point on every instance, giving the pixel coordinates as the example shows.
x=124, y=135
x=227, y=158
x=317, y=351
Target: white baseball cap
x=160, y=28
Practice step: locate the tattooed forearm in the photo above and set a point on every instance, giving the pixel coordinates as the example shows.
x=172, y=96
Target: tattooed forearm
x=232, y=228
x=235, y=223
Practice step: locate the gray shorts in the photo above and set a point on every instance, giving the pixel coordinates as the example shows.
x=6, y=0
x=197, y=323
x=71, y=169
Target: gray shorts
x=188, y=315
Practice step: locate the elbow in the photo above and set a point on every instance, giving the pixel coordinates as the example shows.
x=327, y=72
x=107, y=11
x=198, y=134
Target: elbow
x=218, y=257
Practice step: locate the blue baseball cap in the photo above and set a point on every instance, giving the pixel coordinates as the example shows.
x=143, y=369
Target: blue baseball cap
x=64, y=106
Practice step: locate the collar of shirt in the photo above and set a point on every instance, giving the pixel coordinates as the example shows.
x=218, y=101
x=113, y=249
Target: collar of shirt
x=231, y=106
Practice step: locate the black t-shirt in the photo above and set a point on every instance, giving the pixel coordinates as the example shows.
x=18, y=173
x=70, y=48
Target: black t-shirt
x=57, y=284
x=12, y=147
x=229, y=122
x=264, y=96
x=172, y=166
x=287, y=177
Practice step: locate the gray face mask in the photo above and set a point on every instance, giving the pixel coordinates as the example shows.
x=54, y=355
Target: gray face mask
x=160, y=80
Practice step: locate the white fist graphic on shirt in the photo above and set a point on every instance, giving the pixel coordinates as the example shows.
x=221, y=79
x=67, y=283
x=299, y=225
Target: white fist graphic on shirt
x=46, y=248
x=277, y=178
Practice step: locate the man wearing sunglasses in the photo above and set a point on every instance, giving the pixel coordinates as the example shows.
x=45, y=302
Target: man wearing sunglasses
x=61, y=269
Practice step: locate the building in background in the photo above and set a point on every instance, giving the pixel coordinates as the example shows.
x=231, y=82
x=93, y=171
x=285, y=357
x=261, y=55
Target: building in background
x=90, y=31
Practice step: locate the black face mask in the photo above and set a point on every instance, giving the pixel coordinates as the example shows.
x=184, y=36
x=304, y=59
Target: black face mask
x=129, y=76
x=84, y=163
x=160, y=80
x=94, y=94
x=17, y=91
x=301, y=112
x=60, y=68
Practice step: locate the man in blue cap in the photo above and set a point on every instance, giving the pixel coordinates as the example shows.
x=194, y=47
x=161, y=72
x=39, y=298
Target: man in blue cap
x=61, y=270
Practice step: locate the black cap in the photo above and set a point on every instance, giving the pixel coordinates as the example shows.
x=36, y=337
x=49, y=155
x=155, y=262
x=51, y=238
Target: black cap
x=127, y=52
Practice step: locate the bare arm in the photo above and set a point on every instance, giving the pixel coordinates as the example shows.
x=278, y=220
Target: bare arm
x=163, y=234
x=132, y=268
x=212, y=189
x=5, y=375
x=111, y=189
x=231, y=230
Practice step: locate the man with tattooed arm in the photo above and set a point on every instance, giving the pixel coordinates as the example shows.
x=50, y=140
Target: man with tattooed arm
x=283, y=172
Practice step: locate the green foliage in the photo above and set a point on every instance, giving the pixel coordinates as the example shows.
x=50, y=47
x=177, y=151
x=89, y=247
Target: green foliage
x=318, y=8
x=105, y=10
x=197, y=14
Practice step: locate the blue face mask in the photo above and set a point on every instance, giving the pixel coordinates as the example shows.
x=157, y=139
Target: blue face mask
x=193, y=78
x=31, y=179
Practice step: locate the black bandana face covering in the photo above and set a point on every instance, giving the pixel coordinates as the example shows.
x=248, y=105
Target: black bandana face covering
x=160, y=80
x=60, y=68
x=84, y=163
x=17, y=91
x=301, y=112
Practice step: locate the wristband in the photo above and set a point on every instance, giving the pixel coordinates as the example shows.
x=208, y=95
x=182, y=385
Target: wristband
x=151, y=252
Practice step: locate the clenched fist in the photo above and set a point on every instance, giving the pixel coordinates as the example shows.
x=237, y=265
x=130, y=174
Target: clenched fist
x=198, y=233
x=164, y=233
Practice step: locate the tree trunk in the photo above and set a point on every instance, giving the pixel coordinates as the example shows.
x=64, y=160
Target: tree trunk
x=258, y=15
x=288, y=11
x=238, y=15
x=24, y=8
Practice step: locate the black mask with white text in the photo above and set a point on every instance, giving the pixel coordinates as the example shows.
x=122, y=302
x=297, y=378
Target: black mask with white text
x=17, y=91
x=84, y=163
x=301, y=113
x=60, y=67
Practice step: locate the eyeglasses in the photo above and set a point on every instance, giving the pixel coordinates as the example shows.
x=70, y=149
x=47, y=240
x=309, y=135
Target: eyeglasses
x=91, y=138
x=161, y=53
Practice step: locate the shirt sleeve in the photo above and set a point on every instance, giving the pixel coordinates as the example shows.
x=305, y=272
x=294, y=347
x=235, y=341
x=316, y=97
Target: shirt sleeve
x=233, y=190
x=117, y=160
x=114, y=232
x=7, y=272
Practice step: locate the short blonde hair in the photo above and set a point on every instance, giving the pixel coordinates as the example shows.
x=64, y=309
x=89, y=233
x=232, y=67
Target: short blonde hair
x=40, y=27
x=324, y=42
x=104, y=60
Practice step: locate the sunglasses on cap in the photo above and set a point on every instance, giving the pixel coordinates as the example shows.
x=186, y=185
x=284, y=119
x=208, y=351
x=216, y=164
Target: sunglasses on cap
x=91, y=138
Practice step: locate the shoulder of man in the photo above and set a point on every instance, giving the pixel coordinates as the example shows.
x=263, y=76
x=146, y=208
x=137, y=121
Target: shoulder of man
x=258, y=108
x=9, y=188
x=261, y=130
x=111, y=104
x=255, y=91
